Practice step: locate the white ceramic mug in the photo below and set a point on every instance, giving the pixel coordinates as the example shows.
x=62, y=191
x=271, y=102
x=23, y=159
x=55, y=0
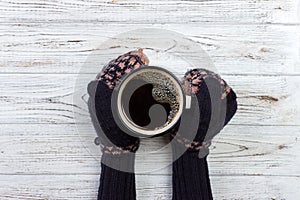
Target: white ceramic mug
x=148, y=101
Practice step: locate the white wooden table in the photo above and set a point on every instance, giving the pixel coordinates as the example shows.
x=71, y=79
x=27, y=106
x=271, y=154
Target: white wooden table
x=43, y=44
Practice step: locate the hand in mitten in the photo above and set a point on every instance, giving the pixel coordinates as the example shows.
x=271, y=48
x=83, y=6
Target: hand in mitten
x=117, y=180
x=213, y=105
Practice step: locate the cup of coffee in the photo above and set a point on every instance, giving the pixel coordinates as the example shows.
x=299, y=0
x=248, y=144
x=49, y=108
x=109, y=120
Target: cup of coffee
x=148, y=101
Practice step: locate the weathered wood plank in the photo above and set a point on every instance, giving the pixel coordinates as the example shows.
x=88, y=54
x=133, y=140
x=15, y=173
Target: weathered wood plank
x=57, y=98
x=46, y=137
x=76, y=47
x=66, y=149
x=145, y=12
x=148, y=187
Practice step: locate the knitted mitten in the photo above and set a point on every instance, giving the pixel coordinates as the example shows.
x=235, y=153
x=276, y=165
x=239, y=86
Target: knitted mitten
x=117, y=181
x=213, y=105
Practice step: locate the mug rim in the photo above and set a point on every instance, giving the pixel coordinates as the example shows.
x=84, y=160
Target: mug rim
x=121, y=117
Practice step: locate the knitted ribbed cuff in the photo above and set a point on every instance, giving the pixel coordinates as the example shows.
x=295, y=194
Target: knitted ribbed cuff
x=115, y=182
x=191, y=177
x=123, y=162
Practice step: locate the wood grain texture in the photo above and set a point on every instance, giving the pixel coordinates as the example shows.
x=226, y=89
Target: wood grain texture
x=68, y=149
x=50, y=50
x=44, y=187
x=57, y=98
x=144, y=12
x=76, y=48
